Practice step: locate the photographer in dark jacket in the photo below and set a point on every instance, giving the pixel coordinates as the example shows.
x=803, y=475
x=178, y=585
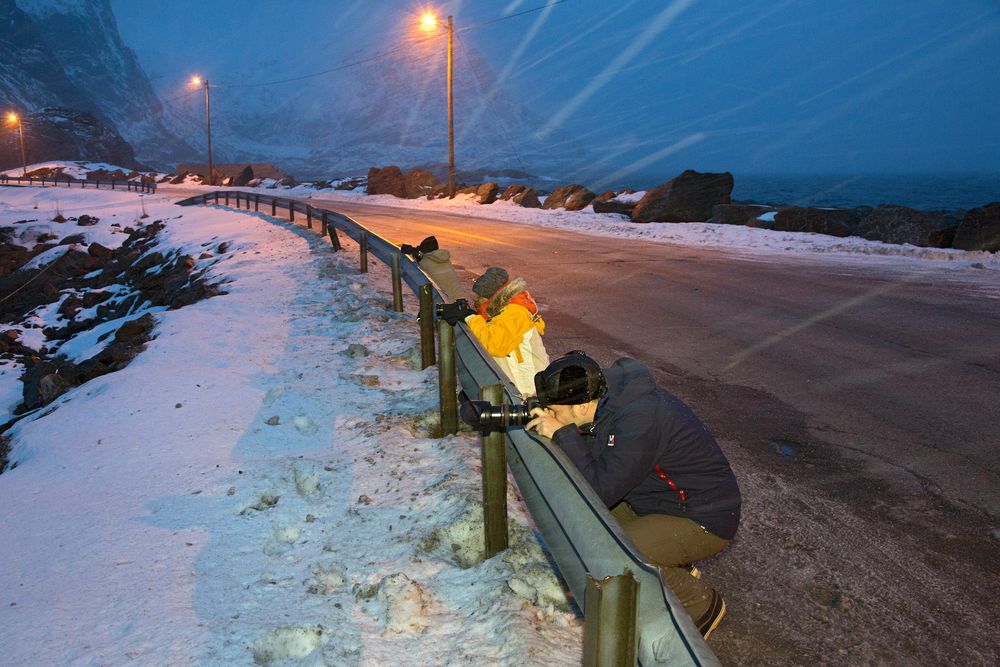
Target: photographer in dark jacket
x=652, y=461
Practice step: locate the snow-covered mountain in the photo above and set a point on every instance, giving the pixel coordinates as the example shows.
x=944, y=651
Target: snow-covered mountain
x=68, y=53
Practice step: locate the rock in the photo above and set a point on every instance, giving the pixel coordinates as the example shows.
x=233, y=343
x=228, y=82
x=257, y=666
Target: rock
x=99, y=251
x=613, y=206
x=487, y=193
x=72, y=239
x=141, y=326
x=274, y=420
x=417, y=183
x=386, y=181
x=980, y=229
x=243, y=178
x=91, y=299
x=899, y=224
x=688, y=197
x=738, y=214
x=830, y=221
x=180, y=178
x=511, y=190
x=527, y=198
x=573, y=197
x=439, y=192
x=86, y=220
x=607, y=195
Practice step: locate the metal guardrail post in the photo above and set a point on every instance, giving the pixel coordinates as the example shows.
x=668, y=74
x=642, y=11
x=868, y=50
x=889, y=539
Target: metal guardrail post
x=256, y=202
x=363, y=241
x=291, y=211
x=426, y=318
x=397, y=284
x=227, y=197
x=609, y=636
x=494, y=475
x=274, y=207
x=334, y=237
x=322, y=229
x=446, y=379
x=309, y=216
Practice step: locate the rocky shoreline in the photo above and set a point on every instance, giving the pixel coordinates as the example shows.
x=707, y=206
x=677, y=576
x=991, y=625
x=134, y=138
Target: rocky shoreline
x=707, y=197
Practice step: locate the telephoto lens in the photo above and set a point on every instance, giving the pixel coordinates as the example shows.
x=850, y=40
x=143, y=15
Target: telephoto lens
x=487, y=418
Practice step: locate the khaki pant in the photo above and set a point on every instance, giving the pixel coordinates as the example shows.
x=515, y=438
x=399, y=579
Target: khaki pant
x=671, y=542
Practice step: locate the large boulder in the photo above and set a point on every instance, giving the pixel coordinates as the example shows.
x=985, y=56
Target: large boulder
x=487, y=193
x=830, y=221
x=511, y=190
x=416, y=183
x=386, y=181
x=738, y=214
x=980, y=229
x=688, y=197
x=899, y=224
x=613, y=206
x=243, y=178
x=573, y=197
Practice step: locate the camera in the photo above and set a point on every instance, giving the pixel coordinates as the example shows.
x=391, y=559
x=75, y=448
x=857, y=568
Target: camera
x=453, y=312
x=487, y=418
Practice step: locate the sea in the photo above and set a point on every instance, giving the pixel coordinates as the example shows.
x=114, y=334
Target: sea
x=925, y=192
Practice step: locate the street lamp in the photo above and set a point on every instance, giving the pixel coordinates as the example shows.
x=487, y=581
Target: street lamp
x=430, y=22
x=197, y=80
x=14, y=118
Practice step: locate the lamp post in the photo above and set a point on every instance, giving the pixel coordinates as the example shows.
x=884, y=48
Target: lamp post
x=197, y=80
x=429, y=22
x=14, y=118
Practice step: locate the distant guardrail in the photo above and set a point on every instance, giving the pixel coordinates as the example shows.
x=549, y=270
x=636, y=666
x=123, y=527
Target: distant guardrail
x=577, y=528
x=95, y=183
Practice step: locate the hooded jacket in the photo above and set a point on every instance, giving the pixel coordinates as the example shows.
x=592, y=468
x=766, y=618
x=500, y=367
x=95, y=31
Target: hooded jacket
x=648, y=448
x=510, y=330
x=437, y=265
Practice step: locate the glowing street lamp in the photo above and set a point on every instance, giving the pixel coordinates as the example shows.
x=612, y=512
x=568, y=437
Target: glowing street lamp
x=428, y=21
x=198, y=81
x=14, y=118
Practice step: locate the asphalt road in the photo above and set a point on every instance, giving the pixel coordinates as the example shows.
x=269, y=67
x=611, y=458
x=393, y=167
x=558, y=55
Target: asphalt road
x=858, y=400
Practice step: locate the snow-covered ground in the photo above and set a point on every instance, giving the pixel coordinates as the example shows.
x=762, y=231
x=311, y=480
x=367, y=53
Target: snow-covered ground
x=260, y=485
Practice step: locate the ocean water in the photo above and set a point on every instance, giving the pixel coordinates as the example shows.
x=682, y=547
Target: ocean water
x=920, y=191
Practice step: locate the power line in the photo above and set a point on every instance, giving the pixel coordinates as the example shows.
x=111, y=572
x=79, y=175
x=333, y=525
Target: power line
x=383, y=54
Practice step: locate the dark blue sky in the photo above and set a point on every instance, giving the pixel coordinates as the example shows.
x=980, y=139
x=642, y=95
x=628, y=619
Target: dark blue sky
x=851, y=86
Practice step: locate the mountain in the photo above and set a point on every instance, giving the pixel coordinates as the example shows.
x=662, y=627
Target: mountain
x=69, y=54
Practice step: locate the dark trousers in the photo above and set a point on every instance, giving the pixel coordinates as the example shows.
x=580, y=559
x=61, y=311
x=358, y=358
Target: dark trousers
x=671, y=542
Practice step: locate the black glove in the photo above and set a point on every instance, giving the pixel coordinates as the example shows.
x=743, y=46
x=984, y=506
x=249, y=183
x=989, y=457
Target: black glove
x=407, y=249
x=453, y=313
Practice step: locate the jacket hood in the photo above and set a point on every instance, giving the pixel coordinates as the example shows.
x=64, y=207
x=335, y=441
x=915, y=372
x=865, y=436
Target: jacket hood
x=502, y=298
x=628, y=380
x=439, y=255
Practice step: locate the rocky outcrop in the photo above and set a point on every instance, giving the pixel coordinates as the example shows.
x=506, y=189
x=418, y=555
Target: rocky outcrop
x=392, y=181
x=85, y=278
x=980, y=229
x=738, y=214
x=688, y=197
x=243, y=178
x=66, y=134
x=573, y=197
x=386, y=181
x=418, y=183
x=899, y=224
x=830, y=221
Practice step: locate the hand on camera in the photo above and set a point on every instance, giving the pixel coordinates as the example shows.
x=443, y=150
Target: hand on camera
x=544, y=424
x=453, y=313
x=407, y=249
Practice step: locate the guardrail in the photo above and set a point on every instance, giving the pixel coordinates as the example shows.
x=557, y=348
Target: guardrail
x=131, y=186
x=578, y=530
